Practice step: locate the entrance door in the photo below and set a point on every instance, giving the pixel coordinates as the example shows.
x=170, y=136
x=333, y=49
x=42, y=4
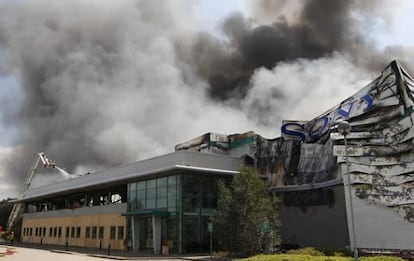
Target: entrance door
x=152, y=232
x=146, y=234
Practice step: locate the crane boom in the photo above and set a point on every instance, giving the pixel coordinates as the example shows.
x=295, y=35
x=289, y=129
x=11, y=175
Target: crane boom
x=48, y=164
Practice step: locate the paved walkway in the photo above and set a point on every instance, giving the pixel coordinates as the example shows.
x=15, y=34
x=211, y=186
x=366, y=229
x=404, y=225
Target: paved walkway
x=28, y=253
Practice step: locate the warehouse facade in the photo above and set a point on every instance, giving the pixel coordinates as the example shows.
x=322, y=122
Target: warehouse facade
x=163, y=201
x=166, y=202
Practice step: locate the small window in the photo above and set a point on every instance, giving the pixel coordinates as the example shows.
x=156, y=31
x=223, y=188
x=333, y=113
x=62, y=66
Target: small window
x=101, y=232
x=112, y=234
x=60, y=232
x=72, y=232
x=50, y=231
x=120, y=232
x=44, y=231
x=36, y=231
x=55, y=231
x=78, y=232
x=67, y=231
x=88, y=232
x=31, y=231
x=93, y=232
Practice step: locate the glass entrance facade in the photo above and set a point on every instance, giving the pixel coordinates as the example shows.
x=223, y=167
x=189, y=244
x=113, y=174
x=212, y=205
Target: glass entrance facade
x=184, y=203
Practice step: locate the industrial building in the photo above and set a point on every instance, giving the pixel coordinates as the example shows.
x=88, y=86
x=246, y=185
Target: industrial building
x=337, y=189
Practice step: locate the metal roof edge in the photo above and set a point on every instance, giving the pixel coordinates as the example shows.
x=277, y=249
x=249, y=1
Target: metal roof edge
x=290, y=188
x=73, y=185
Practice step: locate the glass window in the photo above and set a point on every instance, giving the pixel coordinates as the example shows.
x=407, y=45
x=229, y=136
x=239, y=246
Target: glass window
x=172, y=180
x=88, y=232
x=151, y=193
x=140, y=204
x=150, y=203
x=72, y=232
x=120, y=232
x=172, y=190
x=93, y=232
x=155, y=193
x=132, y=195
x=132, y=187
x=59, y=232
x=141, y=185
x=31, y=231
x=50, y=231
x=151, y=183
x=161, y=182
x=141, y=194
x=112, y=232
x=44, y=231
x=55, y=231
x=172, y=202
x=78, y=232
x=161, y=202
x=161, y=191
x=67, y=231
x=101, y=232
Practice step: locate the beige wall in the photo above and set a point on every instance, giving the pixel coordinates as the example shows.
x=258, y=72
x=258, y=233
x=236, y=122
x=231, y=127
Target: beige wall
x=82, y=221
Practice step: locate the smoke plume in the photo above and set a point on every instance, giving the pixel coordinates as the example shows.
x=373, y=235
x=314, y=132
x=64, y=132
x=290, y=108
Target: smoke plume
x=106, y=83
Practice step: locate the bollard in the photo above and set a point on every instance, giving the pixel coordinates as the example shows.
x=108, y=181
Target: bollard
x=109, y=249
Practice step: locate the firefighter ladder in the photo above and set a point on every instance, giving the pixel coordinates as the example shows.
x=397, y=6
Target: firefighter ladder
x=17, y=207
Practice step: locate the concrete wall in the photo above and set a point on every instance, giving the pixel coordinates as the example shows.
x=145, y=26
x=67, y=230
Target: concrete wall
x=322, y=225
x=98, y=216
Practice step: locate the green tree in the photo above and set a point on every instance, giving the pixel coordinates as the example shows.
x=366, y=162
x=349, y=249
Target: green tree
x=242, y=208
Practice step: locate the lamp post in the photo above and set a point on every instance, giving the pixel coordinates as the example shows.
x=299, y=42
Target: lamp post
x=344, y=128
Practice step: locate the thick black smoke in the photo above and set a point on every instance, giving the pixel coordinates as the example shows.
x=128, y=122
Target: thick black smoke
x=320, y=28
x=107, y=83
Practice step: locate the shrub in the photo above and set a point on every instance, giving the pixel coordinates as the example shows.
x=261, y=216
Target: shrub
x=292, y=257
x=296, y=257
x=306, y=251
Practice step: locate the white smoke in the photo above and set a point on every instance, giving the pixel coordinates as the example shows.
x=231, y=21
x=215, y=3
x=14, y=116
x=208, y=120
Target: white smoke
x=301, y=90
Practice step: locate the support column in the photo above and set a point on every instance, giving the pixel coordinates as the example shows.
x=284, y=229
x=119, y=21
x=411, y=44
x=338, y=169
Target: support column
x=135, y=234
x=156, y=234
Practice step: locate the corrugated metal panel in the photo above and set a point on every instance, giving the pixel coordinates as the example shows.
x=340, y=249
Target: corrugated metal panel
x=380, y=145
x=382, y=164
